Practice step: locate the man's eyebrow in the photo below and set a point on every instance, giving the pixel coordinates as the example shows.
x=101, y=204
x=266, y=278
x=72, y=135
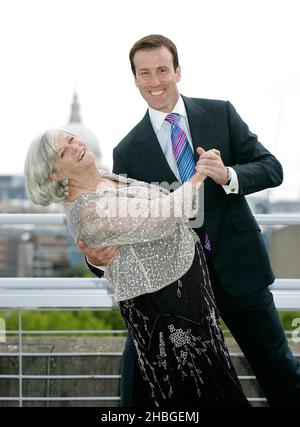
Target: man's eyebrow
x=158, y=68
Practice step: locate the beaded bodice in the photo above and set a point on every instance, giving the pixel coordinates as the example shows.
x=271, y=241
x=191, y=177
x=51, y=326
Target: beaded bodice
x=149, y=223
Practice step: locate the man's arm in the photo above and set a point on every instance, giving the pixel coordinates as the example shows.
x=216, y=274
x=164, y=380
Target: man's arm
x=257, y=169
x=253, y=167
x=97, y=258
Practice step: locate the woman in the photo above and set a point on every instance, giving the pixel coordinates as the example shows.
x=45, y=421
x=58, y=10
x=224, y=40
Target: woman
x=159, y=275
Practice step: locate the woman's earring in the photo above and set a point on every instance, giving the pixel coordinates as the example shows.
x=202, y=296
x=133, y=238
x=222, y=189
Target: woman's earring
x=65, y=184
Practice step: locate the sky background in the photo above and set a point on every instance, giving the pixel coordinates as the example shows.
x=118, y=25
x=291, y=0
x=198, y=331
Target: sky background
x=245, y=51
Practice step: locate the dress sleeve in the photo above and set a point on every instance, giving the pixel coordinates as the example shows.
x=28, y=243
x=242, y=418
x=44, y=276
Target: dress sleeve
x=120, y=220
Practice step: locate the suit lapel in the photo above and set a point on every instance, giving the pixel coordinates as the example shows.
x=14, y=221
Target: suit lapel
x=150, y=153
x=148, y=149
x=200, y=125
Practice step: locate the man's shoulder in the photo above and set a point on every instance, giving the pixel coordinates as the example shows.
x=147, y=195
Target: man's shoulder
x=144, y=125
x=135, y=133
x=206, y=103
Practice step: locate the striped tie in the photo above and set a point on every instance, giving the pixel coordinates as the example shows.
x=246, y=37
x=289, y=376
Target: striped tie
x=184, y=156
x=183, y=152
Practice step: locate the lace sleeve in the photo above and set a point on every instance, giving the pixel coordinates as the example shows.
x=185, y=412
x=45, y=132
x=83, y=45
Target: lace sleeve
x=112, y=220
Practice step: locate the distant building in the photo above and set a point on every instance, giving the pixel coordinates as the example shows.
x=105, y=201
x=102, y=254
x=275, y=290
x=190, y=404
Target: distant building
x=288, y=206
x=76, y=127
x=31, y=251
x=8, y=243
x=284, y=251
x=12, y=187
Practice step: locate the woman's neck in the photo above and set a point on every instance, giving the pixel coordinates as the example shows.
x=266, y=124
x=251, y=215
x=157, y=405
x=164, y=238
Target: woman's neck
x=86, y=182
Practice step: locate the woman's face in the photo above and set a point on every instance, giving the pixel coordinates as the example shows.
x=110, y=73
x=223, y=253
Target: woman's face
x=73, y=154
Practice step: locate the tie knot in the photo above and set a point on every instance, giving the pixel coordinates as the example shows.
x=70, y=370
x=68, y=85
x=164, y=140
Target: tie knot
x=172, y=118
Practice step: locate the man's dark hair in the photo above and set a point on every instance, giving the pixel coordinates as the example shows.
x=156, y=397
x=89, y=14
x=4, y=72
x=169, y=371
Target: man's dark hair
x=153, y=41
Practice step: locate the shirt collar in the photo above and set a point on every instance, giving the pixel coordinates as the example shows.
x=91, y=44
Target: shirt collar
x=157, y=118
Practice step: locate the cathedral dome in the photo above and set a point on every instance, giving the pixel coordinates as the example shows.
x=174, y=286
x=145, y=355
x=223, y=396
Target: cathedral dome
x=76, y=127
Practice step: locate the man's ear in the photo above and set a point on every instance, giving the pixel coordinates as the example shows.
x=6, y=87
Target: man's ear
x=55, y=177
x=178, y=74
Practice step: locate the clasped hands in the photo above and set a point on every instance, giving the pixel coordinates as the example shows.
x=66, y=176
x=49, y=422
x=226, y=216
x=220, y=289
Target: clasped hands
x=210, y=164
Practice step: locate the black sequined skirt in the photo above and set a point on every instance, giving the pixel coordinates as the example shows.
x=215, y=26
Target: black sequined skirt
x=181, y=350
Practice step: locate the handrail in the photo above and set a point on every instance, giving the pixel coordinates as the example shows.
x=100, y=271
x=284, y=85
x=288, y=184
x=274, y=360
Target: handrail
x=278, y=219
x=60, y=219
x=96, y=293
x=34, y=219
x=95, y=283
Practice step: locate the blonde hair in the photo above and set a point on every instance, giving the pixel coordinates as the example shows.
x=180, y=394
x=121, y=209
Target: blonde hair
x=39, y=163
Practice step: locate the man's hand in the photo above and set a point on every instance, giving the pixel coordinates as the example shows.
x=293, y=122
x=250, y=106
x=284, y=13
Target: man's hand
x=210, y=163
x=98, y=256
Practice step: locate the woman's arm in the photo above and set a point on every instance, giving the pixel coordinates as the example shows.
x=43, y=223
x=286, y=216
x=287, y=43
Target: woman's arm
x=112, y=220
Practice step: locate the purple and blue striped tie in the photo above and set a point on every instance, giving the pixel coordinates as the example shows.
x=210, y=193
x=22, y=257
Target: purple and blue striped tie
x=184, y=156
x=182, y=149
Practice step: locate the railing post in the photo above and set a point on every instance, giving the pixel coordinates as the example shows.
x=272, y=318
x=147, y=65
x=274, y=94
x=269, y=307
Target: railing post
x=2, y=331
x=20, y=341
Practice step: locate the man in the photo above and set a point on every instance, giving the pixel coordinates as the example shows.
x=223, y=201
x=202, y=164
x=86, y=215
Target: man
x=238, y=262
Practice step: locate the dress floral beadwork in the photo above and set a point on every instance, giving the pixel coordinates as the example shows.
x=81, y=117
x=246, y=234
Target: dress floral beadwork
x=161, y=282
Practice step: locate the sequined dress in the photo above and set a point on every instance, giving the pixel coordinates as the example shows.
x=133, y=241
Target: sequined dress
x=162, y=285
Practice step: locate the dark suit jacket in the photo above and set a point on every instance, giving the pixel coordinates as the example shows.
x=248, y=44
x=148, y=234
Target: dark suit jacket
x=238, y=252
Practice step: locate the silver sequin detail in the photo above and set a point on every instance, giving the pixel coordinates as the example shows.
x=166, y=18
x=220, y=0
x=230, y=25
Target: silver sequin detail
x=179, y=286
x=155, y=250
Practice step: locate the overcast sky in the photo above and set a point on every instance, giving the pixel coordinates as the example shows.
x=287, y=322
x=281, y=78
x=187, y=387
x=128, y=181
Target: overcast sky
x=245, y=51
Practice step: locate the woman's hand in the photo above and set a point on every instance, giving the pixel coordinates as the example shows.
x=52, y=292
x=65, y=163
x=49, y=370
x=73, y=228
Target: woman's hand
x=199, y=172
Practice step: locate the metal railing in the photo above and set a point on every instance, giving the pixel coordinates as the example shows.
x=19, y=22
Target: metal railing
x=46, y=294
x=60, y=219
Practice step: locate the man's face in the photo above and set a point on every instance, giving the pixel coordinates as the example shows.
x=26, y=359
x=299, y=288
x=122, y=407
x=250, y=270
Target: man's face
x=156, y=78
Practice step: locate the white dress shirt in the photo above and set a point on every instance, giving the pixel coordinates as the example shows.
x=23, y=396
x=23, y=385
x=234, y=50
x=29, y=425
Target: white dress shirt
x=162, y=131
